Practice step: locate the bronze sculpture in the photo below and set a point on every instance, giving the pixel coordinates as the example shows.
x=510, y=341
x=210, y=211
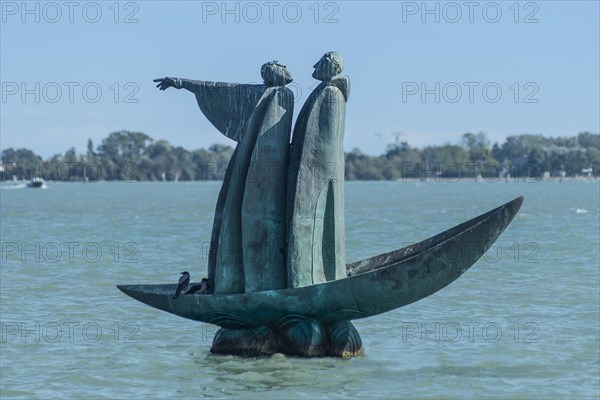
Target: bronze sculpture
x=299, y=296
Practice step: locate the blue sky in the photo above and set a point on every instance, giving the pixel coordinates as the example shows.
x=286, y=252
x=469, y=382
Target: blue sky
x=431, y=71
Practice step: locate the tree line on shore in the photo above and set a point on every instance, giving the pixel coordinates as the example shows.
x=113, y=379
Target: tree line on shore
x=135, y=156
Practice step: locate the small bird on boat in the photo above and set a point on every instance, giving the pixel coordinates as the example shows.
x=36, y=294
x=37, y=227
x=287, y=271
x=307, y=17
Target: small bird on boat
x=184, y=281
x=201, y=288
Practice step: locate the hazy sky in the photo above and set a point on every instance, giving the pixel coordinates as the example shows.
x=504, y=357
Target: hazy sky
x=75, y=70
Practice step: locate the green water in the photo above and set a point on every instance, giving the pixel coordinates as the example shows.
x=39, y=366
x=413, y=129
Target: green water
x=522, y=323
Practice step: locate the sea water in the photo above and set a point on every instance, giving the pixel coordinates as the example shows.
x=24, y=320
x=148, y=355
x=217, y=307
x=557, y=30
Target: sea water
x=523, y=322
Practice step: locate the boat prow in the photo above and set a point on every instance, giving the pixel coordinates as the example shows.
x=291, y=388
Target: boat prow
x=373, y=286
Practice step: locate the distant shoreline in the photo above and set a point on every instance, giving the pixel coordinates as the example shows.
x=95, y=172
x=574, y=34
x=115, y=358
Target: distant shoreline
x=429, y=180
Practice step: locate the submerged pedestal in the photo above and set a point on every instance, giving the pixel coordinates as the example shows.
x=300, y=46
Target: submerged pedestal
x=294, y=337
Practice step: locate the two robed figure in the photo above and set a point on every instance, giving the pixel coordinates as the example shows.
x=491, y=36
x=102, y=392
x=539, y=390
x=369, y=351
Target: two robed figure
x=279, y=218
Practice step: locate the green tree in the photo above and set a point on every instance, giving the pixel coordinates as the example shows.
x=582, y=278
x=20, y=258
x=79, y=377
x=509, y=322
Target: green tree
x=22, y=163
x=589, y=140
x=124, y=145
x=90, y=149
x=449, y=161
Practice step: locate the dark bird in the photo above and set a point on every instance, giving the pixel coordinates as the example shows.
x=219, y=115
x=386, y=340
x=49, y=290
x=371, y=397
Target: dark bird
x=201, y=287
x=184, y=281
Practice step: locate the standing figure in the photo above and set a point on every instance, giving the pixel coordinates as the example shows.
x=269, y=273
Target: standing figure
x=249, y=230
x=316, y=250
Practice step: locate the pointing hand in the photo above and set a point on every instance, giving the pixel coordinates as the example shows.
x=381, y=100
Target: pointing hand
x=165, y=83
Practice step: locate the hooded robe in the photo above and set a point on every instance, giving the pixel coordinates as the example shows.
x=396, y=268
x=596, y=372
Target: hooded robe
x=249, y=230
x=316, y=245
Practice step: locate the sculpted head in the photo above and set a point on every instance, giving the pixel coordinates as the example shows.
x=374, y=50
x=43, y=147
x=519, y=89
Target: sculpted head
x=275, y=74
x=330, y=65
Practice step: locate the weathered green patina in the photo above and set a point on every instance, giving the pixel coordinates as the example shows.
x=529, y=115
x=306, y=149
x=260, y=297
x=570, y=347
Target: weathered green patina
x=372, y=286
x=277, y=260
x=316, y=245
x=248, y=242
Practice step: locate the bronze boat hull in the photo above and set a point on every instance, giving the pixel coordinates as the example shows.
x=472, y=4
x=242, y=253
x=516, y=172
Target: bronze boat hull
x=373, y=286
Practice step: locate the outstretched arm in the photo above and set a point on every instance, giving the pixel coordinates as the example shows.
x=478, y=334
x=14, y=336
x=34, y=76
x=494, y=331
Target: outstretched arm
x=228, y=106
x=177, y=83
